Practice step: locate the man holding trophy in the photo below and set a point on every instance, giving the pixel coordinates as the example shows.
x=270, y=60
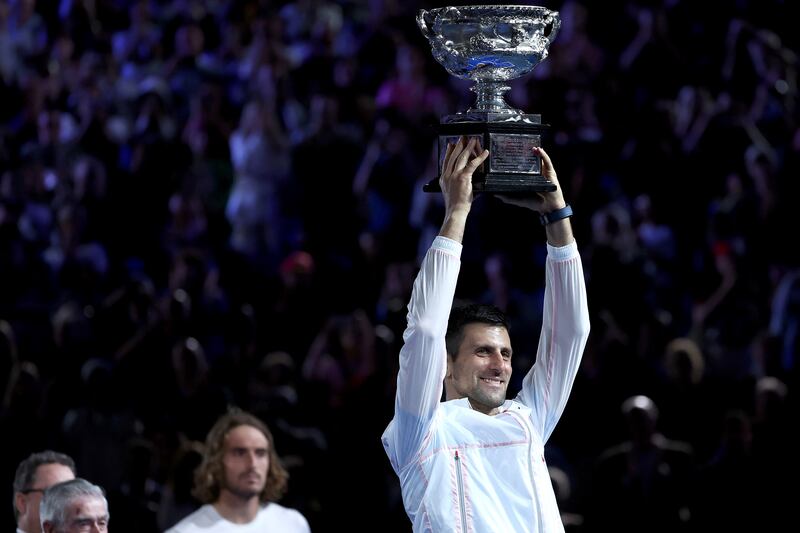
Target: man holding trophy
x=475, y=462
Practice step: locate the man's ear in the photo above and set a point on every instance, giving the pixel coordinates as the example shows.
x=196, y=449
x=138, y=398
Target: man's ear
x=449, y=373
x=20, y=503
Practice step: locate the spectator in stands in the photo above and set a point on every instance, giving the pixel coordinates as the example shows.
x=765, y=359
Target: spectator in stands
x=642, y=484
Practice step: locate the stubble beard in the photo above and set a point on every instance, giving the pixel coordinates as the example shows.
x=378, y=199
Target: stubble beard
x=243, y=493
x=488, y=399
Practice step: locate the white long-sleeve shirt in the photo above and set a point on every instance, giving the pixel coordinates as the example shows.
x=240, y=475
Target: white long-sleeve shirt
x=461, y=470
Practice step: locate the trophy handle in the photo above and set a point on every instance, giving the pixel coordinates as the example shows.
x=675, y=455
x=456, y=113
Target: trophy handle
x=555, y=19
x=447, y=13
x=423, y=26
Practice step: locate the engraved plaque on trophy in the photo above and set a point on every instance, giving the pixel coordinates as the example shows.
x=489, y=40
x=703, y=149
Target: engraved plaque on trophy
x=492, y=45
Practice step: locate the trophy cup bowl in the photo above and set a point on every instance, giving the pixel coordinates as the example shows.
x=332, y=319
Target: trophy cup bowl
x=491, y=45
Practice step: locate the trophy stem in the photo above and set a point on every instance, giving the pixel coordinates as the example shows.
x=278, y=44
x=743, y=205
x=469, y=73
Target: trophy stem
x=490, y=98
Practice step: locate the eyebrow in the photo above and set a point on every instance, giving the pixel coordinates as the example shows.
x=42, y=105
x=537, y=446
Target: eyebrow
x=245, y=448
x=491, y=347
x=90, y=517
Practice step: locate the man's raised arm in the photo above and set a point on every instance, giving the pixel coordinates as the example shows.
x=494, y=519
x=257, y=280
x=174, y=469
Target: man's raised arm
x=423, y=359
x=565, y=322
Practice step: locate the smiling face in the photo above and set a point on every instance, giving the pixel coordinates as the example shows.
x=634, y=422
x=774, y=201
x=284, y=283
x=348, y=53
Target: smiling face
x=481, y=368
x=245, y=462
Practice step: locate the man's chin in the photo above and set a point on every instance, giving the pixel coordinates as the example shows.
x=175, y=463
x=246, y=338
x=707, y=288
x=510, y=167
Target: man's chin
x=498, y=402
x=246, y=493
x=490, y=401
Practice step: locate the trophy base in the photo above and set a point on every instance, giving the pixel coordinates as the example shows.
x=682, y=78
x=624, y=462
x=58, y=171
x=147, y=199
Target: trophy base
x=512, y=167
x=501, y=184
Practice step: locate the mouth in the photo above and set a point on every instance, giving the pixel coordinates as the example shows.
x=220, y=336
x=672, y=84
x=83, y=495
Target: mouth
x=494, y=382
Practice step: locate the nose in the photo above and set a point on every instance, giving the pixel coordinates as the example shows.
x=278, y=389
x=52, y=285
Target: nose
x=251, y=458
x=496, y=361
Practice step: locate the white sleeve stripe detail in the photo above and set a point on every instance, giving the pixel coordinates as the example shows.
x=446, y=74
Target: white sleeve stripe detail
x=447, y=245
x=562, y=253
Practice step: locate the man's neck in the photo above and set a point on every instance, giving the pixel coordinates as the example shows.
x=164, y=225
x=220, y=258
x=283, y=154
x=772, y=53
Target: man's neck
x=475, y=406
x=237, y=509
x=25, y=527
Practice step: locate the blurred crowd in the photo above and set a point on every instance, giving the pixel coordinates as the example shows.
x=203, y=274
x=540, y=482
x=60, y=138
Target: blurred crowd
x=207, y=203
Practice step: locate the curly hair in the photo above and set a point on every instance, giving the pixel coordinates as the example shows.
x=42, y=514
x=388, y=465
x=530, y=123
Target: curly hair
x=209, y=475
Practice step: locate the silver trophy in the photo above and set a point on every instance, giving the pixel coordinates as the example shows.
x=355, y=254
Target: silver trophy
x=492, y=45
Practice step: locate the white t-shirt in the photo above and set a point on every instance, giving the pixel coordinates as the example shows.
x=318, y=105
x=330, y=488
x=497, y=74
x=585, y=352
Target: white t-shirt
x=272, y=517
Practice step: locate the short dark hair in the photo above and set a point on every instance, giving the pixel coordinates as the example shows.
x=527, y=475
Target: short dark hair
x=25, y=476
x=464, y=314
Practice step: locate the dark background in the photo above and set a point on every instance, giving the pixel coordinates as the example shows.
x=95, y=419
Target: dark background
x=206, y=203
